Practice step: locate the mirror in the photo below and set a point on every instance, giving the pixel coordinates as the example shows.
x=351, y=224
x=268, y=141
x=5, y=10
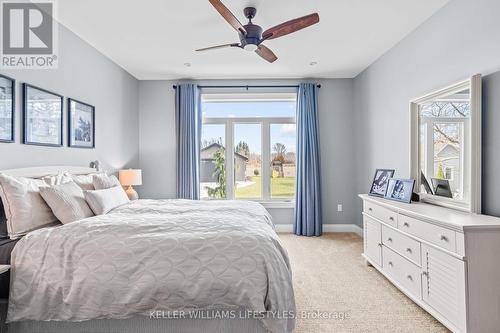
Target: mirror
x=446, y=146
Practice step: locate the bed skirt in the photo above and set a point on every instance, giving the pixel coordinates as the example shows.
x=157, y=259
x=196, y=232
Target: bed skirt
x=141, y=324
x=138, y=324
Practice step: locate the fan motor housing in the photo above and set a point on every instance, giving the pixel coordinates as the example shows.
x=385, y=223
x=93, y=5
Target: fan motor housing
x=253, y=36
x=250, y=12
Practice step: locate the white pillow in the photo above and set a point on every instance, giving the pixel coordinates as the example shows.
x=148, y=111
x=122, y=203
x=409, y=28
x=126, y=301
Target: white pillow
x=58, y=179
x=67, y=202
x=86, y=182
x=103, y=181
x=102, y=201
x=24, y=208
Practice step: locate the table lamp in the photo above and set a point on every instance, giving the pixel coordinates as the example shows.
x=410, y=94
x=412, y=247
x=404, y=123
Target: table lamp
x=131, y=177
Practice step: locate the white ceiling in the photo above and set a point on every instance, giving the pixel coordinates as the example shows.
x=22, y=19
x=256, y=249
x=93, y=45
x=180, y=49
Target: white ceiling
x=153, y=39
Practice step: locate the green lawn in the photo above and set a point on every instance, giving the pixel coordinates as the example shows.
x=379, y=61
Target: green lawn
x=280, y=188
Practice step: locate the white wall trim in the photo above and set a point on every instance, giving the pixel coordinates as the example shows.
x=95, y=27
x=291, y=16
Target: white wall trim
x=288, y=228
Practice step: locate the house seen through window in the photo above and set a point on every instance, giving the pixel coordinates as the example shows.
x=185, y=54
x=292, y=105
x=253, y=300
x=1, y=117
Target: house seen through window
x=248, y=146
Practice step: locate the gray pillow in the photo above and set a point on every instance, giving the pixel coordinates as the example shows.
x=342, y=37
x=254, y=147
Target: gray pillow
x=103, y=181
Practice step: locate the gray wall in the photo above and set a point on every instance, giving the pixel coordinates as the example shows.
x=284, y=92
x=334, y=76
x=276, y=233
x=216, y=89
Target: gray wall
x=157, y=144
x=458, y=41
x=87, y=75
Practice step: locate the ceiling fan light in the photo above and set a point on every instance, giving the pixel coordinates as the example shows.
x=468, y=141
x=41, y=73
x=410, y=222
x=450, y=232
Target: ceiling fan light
x=250, y=47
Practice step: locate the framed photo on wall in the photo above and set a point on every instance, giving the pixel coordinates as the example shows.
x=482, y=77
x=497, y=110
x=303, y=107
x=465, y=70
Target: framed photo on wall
x=43, y=117
x=380, y=181
x=7, y=108
x=81, y=124
x=400, y=189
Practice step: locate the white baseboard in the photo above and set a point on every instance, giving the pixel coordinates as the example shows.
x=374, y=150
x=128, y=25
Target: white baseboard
x=326, y=228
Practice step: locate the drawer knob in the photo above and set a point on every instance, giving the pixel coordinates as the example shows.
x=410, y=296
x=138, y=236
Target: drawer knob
x=408, y=250
x=389, y=239
x=406, y=224
x=370, y=209
x=444, y=238
x=409, y=277
x=391, y=218
x=390, y=263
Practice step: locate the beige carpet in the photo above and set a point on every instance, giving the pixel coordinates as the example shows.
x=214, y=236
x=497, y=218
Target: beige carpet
x=330, y=276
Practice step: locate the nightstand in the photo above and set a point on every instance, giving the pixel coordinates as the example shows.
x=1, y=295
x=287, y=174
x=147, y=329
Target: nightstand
x=4, y=268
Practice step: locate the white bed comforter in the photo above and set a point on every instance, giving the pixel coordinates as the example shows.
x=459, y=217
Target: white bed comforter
x=151, y=255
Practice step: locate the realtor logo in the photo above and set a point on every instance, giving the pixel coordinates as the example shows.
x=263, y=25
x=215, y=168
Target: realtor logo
x=28, y=34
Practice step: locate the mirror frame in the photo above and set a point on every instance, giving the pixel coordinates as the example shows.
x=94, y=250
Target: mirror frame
x=474, y=86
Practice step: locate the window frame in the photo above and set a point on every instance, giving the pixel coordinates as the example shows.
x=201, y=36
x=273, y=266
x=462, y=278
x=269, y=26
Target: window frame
x=265, y=123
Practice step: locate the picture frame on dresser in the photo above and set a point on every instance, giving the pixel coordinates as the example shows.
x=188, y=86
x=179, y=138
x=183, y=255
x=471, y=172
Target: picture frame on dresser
x=400, y=190
x=42, y=117
x=380, y=182
x=81, y=124
x=7, y=108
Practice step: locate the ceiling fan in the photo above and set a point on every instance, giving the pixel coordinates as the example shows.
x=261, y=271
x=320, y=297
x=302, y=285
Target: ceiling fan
x=251, y=35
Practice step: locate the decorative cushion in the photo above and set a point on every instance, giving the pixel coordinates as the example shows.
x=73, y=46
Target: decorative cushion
x=61, y=178
x=86, y=182
x=102, y=201
x=67, y=202
x=103, y=181
x=24, y=207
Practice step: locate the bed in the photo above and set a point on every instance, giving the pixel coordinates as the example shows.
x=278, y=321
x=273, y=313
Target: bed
x=155, y=266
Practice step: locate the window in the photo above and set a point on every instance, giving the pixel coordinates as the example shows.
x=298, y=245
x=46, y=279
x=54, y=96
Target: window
x=248, y=146
x=212, y=161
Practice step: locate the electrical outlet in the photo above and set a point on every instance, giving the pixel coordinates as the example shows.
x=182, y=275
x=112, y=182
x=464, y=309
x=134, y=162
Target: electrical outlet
x=339, y=207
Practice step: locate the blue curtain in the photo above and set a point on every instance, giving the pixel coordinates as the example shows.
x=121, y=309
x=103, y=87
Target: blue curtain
x=308, y=188
x=188, y=127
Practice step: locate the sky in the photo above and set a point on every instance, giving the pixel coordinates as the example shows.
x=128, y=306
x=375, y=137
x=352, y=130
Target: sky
x=251, y=133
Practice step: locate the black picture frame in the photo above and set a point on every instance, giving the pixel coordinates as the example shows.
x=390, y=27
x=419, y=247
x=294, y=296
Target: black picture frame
x=424, y=182
x=400, y=190
x=26, y=113
x=71, y=143
x=13, y=109
x=442, y=187
x=380, y=182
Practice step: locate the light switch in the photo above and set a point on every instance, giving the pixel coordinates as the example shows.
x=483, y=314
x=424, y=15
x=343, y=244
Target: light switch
x=339, y=207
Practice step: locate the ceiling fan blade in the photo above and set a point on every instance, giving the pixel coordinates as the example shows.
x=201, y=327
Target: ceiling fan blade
x=290, y=26
x=266, y=53
x=228, y=16
x=219, y=47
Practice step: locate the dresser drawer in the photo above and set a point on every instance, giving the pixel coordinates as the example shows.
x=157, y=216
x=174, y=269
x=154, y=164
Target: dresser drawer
x=383, y=214
x=404, y=245
x=405, y=273
x=440, y=236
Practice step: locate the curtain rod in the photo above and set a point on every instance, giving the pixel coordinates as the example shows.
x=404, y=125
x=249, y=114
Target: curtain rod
x=251, y=86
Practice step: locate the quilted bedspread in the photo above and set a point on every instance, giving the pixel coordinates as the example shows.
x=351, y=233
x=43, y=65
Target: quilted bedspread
x=155, y=255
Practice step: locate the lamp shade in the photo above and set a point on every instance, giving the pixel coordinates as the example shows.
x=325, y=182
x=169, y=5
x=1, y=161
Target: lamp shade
x=130, y=177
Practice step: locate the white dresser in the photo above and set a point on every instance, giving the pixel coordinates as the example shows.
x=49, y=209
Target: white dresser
x=447, y=261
